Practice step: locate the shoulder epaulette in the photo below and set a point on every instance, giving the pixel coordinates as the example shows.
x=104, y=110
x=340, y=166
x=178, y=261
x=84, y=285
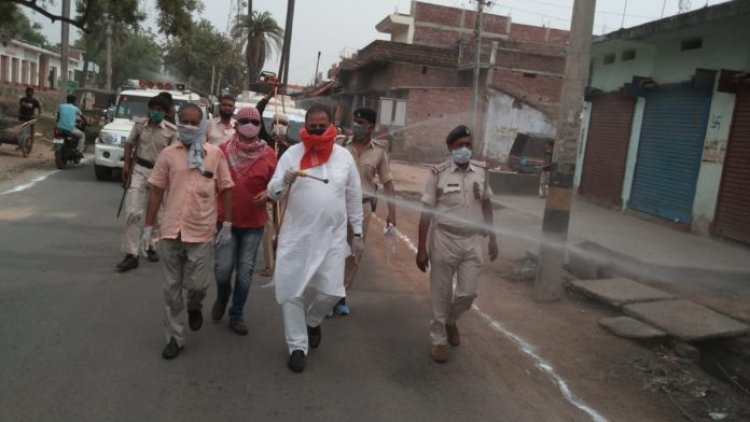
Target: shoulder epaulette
x=170, y=125
x=440, y=167
x=382, y=143
x=480, y=164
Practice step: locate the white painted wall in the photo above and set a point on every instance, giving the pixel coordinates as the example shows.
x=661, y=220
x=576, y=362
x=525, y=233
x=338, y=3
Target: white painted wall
x=582, y=142
x=712, y=161
x=635, y=138
x=504, y=121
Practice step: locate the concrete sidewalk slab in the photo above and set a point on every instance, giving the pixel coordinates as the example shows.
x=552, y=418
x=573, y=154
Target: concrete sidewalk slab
x=618, y=292
x=686, y=320
x=628, y=327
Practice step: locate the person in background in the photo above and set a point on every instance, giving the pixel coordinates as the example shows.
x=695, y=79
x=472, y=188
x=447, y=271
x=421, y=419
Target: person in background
x=312, y=245
x=279, y=133
x=146, y=141
x=29, y=109
x=187, y=178
x=67, y=117
x=456, y=197
x=372, y=160
x=251, y=164
x=171, y=114
x=222, y=128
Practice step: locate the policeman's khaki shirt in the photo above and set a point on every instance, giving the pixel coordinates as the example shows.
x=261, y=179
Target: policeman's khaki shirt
x=371, y=161
x=457, y=195
x=217, y=132
x=151, y=140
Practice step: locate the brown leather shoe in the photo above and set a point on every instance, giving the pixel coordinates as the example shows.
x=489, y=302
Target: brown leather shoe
x=439, y=353
x=454, y=338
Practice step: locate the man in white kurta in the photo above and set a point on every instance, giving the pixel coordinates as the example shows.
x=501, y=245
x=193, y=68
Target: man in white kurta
x=312, y=246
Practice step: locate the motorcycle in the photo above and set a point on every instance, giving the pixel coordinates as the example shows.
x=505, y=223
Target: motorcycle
x=66, y=148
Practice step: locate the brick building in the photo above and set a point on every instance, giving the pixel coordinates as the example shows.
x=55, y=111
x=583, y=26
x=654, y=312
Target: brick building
x=421, y=80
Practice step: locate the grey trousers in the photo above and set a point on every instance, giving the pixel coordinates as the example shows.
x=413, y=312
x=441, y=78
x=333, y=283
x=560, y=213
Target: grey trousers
x=188, y=266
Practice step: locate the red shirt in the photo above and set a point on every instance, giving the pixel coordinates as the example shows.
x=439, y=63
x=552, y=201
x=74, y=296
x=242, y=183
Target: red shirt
x=245, y=213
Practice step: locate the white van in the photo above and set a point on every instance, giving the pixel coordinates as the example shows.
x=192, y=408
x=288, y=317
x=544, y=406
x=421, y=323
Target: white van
x=130, y=105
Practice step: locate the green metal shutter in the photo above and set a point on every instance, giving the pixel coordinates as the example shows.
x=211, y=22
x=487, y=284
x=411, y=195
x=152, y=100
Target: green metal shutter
x=669, y=152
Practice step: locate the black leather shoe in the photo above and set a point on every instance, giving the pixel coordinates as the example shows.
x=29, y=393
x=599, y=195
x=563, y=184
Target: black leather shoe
x=195, y=320
x=314, y=335
x=296, y=361
x=238, y=326
x=171, y=350
x=152, y=255
x=128, y=263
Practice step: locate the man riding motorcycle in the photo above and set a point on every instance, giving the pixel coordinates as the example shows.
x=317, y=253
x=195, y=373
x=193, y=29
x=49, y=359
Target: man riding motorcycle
x=67, y=117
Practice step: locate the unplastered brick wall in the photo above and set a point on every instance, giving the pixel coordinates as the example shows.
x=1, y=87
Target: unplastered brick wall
x=430, y=115
x=537, y=89
x=522, y=32
x=530, y=61
x=412, y=75
x=442, y=25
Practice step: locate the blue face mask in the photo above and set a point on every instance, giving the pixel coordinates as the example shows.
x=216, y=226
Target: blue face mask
x=461, y=155
x=189, y=134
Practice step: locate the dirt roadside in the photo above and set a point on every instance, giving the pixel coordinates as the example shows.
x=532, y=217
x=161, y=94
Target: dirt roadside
x=621, y=379
x=13, y=164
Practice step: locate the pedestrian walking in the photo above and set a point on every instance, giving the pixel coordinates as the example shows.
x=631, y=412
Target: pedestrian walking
x=222, y=128
x=372, y=160
x=187, y=177
x=29, y=108
x=251, y=164
x=456, y=197
x=146, y=141
x=312, y=246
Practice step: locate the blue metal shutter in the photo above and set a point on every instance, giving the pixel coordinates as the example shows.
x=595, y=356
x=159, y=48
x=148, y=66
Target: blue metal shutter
x=669, y=152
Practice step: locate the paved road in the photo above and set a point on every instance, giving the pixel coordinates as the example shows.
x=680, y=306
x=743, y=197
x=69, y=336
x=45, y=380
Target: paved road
x=81, y=342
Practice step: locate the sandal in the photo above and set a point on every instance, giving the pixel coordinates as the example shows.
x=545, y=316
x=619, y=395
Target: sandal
x=267, y=272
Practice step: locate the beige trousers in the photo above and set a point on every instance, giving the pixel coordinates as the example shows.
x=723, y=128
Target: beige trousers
x=452, y=255
x=136, y=202
x=352, y=265
x=268, y=233
x=188, y=266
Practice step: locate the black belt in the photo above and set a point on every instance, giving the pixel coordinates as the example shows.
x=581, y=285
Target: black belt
x=144, y=163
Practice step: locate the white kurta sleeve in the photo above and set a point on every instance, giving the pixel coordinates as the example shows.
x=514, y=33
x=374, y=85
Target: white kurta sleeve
x=276, y=186
x=354, y=198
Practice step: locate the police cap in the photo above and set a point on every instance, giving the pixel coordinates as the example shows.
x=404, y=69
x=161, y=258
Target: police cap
x=366, y=113
x=458, y=132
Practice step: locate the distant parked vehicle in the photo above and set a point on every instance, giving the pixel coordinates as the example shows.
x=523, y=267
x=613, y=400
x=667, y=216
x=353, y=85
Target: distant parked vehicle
x=527, y=153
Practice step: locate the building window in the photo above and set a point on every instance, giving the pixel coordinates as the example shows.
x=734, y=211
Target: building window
x=529, y=75
x=691, y=44
x=424, y=70
x=628, y=55
x=609, y=58
x=392, y=112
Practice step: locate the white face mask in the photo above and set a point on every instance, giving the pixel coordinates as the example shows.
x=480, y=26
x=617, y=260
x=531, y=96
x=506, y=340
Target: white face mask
x=280, y=130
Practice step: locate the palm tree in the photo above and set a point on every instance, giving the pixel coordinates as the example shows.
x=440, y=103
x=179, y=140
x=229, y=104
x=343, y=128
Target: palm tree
x=259, y=34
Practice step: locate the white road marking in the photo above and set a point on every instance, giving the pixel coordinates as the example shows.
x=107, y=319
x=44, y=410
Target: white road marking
x=525, y=347
x=23, y=186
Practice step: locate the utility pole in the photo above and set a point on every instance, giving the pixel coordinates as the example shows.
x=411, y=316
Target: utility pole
x=213, y=75
x=317, y=64
x=109, y=53
x=64, y=42
x=284, y=62
x=477, y=64
x=548, y=284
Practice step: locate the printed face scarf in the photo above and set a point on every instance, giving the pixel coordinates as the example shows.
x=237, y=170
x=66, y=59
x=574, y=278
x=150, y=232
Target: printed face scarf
x=241, y=156
x=318, y=148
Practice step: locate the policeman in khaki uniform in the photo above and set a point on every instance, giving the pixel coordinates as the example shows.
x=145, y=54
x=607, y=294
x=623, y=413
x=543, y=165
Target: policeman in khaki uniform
x=372, y=160
x=147, y=139
x=456, y=197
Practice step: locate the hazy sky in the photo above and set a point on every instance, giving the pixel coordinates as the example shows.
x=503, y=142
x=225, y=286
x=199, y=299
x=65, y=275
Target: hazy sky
x=343, y=26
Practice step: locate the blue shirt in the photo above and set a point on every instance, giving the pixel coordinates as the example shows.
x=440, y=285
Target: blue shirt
x=67, y=117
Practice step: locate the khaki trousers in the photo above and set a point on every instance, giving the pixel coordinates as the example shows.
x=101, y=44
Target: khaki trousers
x=268, y=233
x=188, y=266
x=352, y=265
x=452, y=255
x=136, y=202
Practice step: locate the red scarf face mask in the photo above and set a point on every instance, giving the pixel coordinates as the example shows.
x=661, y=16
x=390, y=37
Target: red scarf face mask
x=318, y=148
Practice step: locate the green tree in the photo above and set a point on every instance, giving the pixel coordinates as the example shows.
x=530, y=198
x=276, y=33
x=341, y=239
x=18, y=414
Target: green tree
x=260, y=34
x=193, y=55
x=16, y=25
x=135, y=55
